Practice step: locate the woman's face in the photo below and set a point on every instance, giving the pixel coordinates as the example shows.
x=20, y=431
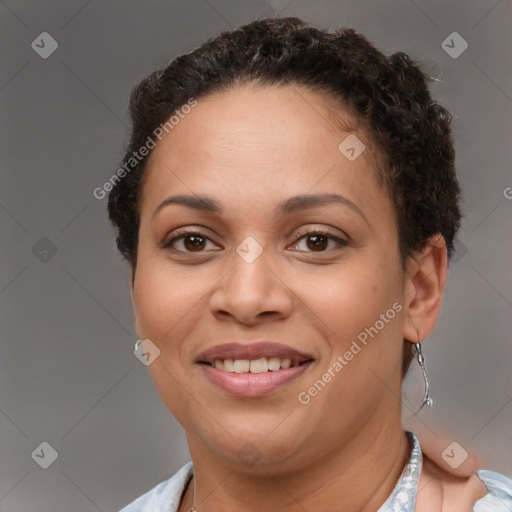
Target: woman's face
x=297, y=248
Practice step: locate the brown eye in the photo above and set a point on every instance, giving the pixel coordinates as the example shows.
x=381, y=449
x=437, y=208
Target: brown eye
x=318, y=242
x=188, y=242
x=194, y=242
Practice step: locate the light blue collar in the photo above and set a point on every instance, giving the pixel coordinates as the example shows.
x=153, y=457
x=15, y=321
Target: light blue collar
x=403, y=496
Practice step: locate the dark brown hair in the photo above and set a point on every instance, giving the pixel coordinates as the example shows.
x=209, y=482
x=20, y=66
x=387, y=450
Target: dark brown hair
x=388, y=95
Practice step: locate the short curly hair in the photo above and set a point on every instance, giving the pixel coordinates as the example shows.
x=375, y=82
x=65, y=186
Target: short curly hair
x=388, y=95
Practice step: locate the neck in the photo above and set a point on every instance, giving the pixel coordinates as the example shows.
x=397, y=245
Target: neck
x=346, y=479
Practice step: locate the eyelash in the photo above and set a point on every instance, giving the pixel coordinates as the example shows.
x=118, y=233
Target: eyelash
x=340, y=241
x=191, y=232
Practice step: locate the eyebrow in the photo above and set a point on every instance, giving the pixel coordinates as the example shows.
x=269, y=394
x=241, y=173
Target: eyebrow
x=286, y=207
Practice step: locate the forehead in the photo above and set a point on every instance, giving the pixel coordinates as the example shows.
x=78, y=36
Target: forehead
x=266, y=142
x=288, y=119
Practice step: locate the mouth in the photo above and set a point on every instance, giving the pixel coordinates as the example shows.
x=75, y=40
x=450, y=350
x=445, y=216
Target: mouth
x=250, y=370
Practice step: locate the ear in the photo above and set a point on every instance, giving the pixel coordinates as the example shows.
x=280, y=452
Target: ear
x=425, y=280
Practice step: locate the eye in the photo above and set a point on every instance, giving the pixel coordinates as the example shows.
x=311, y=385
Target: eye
x=190, y=241
x=318, y=241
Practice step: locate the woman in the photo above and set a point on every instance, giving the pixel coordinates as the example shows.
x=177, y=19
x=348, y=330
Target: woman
x=287, y=205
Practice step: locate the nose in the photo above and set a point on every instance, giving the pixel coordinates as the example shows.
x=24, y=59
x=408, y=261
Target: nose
x=251, y=292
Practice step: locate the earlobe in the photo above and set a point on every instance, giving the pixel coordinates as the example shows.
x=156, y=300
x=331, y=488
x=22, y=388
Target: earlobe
x=424, y=288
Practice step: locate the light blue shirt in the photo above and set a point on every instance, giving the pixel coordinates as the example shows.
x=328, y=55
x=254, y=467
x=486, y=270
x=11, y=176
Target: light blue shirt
x=166, y=496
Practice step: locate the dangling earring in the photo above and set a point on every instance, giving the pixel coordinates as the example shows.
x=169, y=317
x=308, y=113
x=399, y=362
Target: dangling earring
x=426, y=397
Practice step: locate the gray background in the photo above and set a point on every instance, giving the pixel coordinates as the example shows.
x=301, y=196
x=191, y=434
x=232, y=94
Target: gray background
x=68, y=375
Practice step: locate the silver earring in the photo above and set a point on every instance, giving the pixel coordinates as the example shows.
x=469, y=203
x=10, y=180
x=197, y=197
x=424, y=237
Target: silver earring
x=427, y=400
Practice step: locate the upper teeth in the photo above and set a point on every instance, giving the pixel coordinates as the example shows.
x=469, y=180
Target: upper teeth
x=261, y=365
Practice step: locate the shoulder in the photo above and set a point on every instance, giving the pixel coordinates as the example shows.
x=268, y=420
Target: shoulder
x=441, y=490
x=484, y=491
x=499, y=497
x=164, y=496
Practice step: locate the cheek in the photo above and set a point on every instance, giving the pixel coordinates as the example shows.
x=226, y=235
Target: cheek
x=163, y=302
x=164, y=308
x=355, y=297
x=362, y=305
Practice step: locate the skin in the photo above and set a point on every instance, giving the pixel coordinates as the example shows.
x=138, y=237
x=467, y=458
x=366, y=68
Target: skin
x=248, y=150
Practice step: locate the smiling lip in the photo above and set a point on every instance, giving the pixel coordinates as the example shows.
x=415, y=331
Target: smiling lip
x=252, y=351
x=253, y=384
